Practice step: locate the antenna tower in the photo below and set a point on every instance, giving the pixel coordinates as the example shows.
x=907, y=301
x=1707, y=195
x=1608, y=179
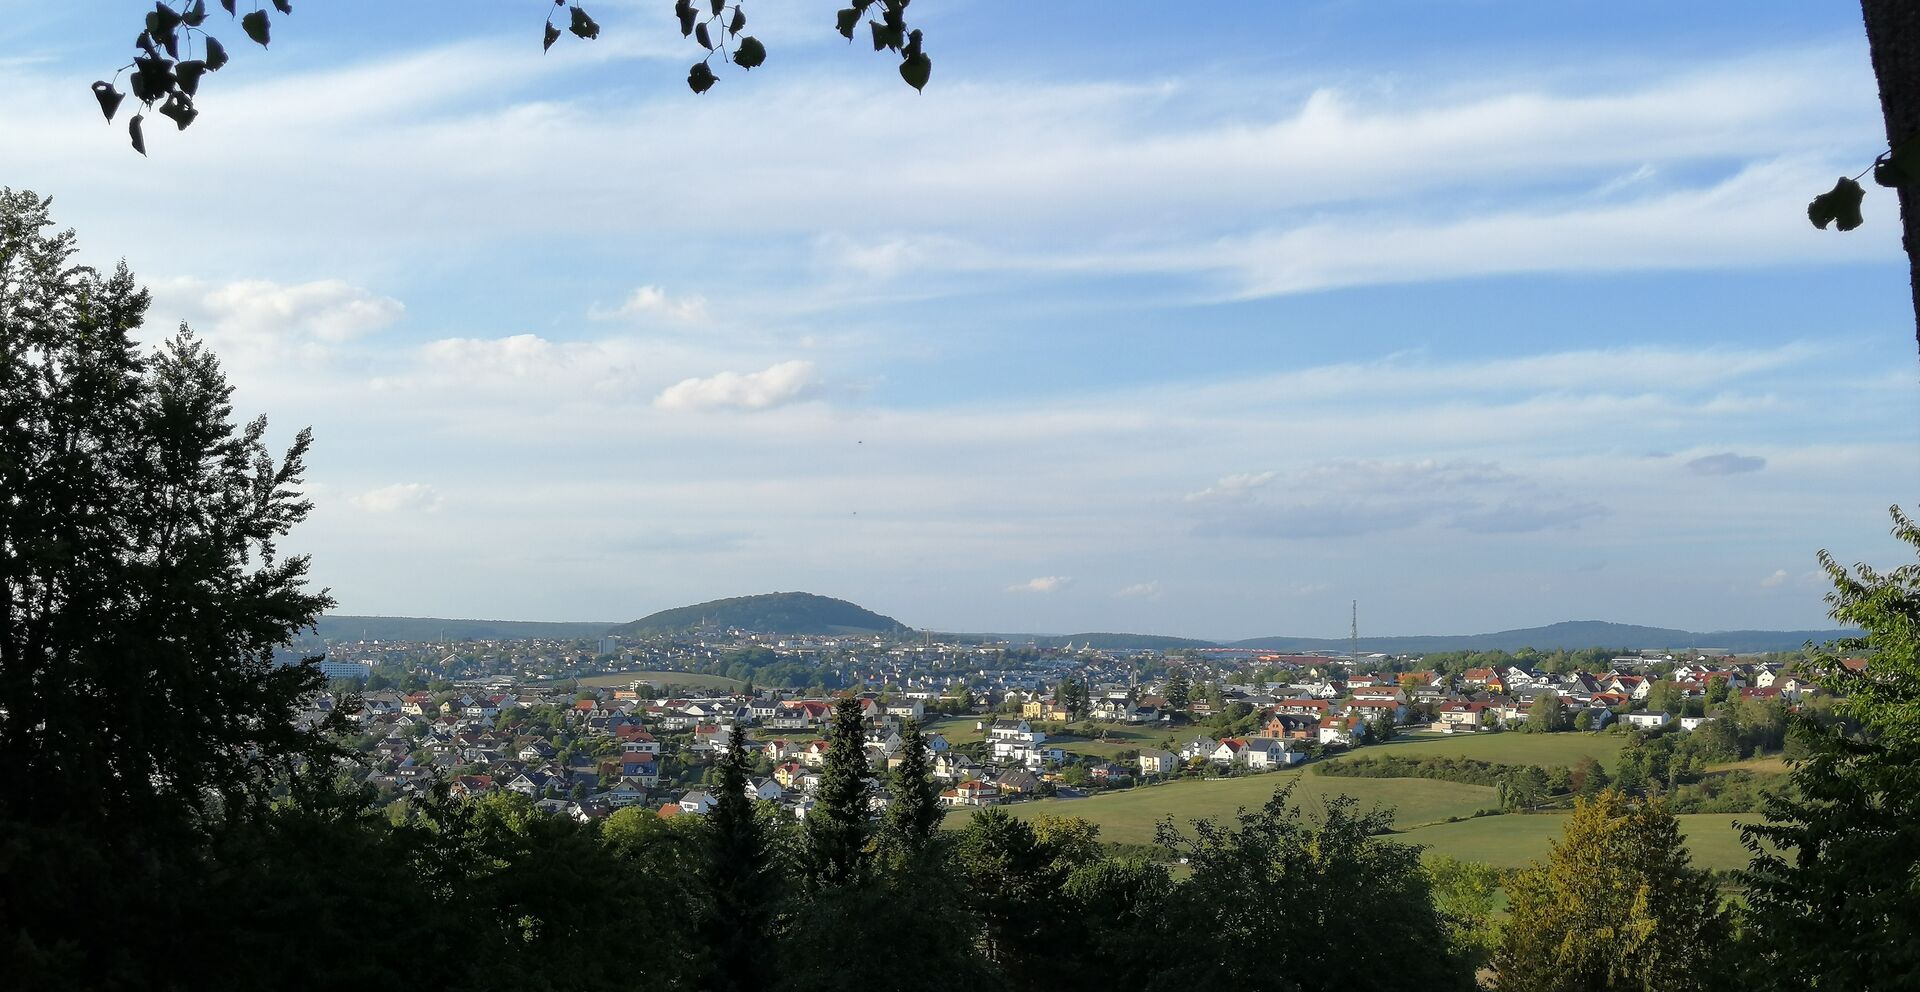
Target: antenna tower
x=1353, y=634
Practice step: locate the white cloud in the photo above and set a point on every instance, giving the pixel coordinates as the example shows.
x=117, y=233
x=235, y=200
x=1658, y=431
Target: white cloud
x=1232, y=487
x=1043, y=584
x=776, y=385
x=1348, y=498
x=1139, y=590
x=259, y=321
x=1774, y=581
x=400, y=497
x=652, y=301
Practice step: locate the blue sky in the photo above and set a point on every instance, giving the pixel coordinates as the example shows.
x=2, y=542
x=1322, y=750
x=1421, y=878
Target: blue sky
x=1484, y=314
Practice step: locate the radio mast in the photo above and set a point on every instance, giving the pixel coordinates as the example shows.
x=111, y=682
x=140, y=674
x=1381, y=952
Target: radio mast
x=1353, y=635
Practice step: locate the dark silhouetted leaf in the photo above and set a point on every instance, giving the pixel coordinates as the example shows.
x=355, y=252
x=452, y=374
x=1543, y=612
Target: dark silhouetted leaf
x=700, y=35
x=846, y=20
x=583, y=25
x=913, y=45
x=1839, y=206
x=216, y=54
x=553, y=35
x=145, y=44
x=700, y=78
x=109, y=97
x=152, y=78
x=196, y=14
x=717, y=6
x=187, y=74
x=255, y=24
x=283, y=6
x=916, y=71
x=180, y=111
x=172, y=44
x=1886, y=174
x=227, y=4
x=162, y=21
x=684, y=10
x=751, y=54
x=133, y=131
x=739, y=22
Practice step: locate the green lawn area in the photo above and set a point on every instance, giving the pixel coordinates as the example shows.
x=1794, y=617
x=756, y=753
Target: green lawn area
x=683, y=680
x=1506, y=748
x=958, y=729
x=1129, y=816
x=1512, y=840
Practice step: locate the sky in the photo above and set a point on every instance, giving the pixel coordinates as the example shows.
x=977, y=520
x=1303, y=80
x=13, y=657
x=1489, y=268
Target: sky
x=1143, y=316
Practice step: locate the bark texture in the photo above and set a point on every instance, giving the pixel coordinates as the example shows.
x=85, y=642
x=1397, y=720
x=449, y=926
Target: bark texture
x=1893, y=39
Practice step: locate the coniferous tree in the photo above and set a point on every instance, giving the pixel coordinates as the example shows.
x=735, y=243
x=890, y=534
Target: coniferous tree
x=739, y=880
x=1178, y=689
x=837, y=827
x=915, y=812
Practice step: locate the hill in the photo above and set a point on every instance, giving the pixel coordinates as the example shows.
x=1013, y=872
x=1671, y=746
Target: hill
x=1104, y=641
x=1569, y=634
x=770, y=613
x=351, y=628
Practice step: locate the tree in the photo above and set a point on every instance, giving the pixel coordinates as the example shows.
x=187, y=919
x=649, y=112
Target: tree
x=836, y=827
x=1893, y=45
x=1617, y=904
x=737, y=927
x=915, y=812
x=1547, y=715
x=1268, y=880
x=142, y=592
x=1465, y=893
x=1840, y=852
x=1178, y=689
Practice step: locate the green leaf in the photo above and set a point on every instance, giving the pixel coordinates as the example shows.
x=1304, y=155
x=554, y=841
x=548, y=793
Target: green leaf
x=583, y=26
x=1839, y=206
x=187, y=74
x=216, y=54
x=553, y=35
x=133, y=131
x=180, y=111
x=257, y=28
x=109, y=97
x=700, y=78
x=700, y=35
x=751, y=54
x=846, y=20
x=916, y=70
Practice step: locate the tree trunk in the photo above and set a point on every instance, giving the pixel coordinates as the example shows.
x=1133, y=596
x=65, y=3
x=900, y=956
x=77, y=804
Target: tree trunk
x=1893, y=40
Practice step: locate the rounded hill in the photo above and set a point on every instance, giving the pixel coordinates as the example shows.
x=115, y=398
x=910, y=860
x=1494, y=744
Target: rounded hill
x=768, y=613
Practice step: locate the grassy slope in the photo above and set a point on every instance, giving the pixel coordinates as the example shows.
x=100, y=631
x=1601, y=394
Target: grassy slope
x=1512, y=840
x=1129, y=816
x=1508, y=748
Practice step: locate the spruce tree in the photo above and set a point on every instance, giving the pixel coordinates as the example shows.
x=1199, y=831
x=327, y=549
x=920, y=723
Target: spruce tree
x=915, y=812
x=1178, y=689
x=738, y=879
x=836, y=829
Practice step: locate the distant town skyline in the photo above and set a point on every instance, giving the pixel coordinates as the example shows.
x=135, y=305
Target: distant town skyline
x=1487, y=316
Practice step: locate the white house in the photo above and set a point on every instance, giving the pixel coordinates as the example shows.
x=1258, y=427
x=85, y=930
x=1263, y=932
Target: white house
x=1651, y=720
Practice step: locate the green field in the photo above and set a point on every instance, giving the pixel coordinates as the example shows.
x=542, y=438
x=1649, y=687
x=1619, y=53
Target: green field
x=684, y=680
x=1512, y=840
x=958, y=729
x=1506, y=748
x=1129, y=816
